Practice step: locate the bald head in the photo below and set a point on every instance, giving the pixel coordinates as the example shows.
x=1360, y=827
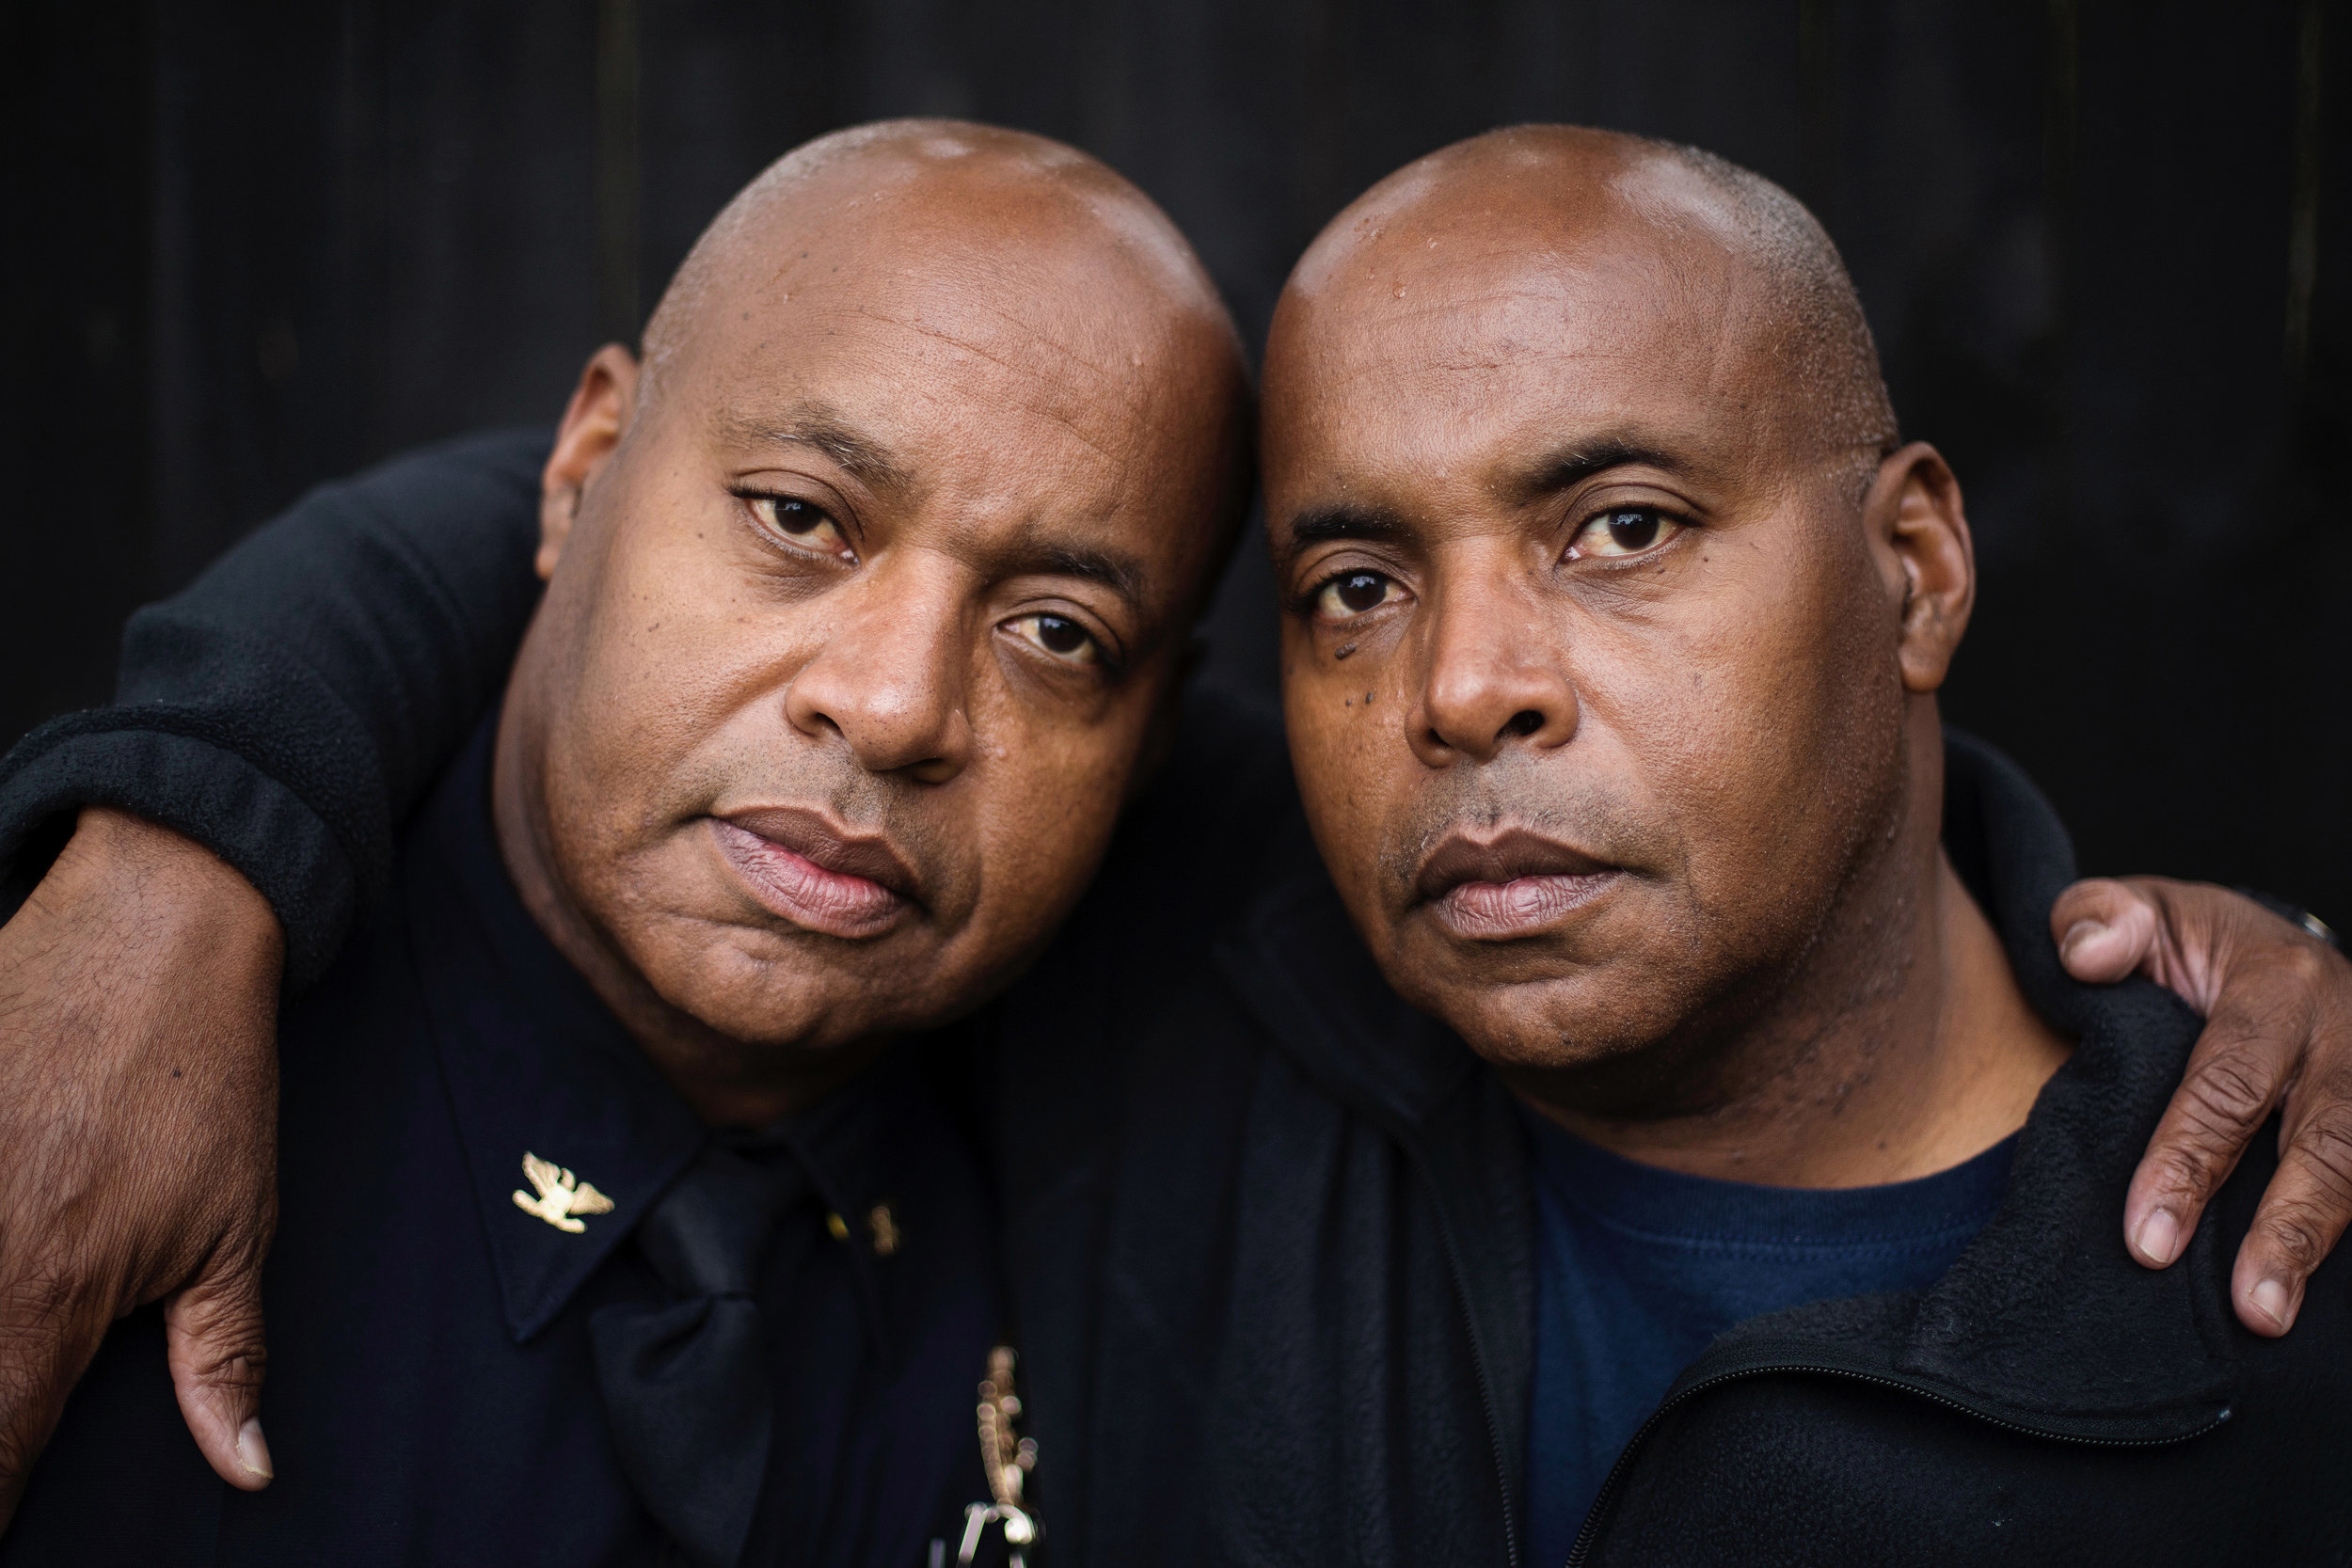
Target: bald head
x=932, y=198
x=1522, y=211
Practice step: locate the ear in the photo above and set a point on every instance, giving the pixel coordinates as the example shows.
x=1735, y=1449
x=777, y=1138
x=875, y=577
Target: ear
x=593, y=427
x=1919, y=535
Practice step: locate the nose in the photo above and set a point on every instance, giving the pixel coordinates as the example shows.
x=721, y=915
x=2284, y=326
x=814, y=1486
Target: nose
x=1496, y=674
x=889, y=679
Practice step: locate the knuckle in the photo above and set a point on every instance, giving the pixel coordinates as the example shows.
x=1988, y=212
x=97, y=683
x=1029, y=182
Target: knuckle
x=2301, y=964
x=2192, y=1167
x=2230, y=1090
x=2297, y=1234
x=2090, y=896
x=2325, y=1144
x=245, y=1370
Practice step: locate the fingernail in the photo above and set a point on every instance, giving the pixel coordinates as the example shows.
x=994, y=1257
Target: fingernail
x=2273, y=1300
x=252, y=1452
x=2079, y=933
x=2159, y=1238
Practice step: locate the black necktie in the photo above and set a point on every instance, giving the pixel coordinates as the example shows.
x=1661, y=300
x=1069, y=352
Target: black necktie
x=687, y=1384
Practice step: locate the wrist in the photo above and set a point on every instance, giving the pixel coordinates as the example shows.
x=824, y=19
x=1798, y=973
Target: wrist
x=178, y=886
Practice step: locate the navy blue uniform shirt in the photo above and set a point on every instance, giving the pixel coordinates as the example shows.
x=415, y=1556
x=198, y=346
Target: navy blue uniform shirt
x=1638, y=1268
x=432, y=1394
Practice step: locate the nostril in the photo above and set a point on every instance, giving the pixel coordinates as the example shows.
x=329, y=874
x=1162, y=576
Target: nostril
x=1526, y=721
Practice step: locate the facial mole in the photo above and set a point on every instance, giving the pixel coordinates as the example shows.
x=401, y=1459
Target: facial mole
x=1343, y=650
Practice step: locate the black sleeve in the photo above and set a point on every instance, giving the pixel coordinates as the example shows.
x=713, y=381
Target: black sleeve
x=290, y=707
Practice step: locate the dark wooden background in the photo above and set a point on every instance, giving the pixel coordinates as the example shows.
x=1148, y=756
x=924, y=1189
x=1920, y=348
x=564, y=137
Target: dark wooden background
x=2104, y=244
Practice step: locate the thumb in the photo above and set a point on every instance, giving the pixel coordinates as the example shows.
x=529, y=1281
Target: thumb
x=212, y=1337
x=2105, y=930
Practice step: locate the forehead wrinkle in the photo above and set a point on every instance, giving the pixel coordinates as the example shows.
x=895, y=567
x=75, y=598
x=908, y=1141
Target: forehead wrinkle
x=1039, y=377
x=1569, y=326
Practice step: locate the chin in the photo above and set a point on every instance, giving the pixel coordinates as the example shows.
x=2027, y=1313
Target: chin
x=1580, y=1019
x=765, y=987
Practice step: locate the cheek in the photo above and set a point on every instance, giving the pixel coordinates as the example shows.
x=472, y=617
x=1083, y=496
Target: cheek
x=1771, y=731
x=1356, y=771
x=1042, y=792
x=678, y=659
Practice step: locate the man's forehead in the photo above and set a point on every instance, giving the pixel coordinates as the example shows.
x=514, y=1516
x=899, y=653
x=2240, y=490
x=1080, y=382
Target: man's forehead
x=1493, y=375
x=900, y=390
x=994, y=314
x=1473, y=303
x=1478, y=352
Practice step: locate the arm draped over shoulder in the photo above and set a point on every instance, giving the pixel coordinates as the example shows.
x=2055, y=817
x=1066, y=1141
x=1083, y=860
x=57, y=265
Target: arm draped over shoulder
x=290, y=706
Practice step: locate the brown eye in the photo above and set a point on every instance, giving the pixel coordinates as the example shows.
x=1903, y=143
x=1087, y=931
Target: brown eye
x=809, y=527
x=1623, y=532
x=1059, y=635
x=1353, y=594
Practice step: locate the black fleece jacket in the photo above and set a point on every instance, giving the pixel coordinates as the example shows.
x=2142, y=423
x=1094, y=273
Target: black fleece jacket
x=1268, y=1231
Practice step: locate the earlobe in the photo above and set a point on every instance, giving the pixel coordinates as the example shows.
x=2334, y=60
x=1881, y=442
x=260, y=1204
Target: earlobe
x=593, y=423
x=1917, y=520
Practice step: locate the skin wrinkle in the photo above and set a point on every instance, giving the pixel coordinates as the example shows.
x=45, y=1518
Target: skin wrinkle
x=1102, y=373
x=1742, y=719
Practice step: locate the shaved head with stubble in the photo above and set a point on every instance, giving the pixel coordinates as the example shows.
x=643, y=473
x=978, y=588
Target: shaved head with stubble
x=868, y=593
x=1616, y=613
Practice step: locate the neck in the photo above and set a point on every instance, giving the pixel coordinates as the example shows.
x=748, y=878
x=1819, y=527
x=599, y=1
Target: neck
x=1901, y=1047
x=727, y=1082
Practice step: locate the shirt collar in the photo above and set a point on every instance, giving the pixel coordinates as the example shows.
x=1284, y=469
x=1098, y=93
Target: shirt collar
x=535, y=1064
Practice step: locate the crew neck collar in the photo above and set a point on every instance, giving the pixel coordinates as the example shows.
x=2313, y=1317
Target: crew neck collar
x=1652, y=1201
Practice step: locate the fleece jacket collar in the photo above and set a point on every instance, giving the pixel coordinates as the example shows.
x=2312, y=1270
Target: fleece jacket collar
x=2044, y=1322
x=1297, y=966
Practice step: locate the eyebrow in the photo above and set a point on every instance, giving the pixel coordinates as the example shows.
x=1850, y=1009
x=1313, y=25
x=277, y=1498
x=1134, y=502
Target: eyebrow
x=1573, y=465
x=814, y=424
x=1561, y=470
x=1120, y=572
x=1320, y=524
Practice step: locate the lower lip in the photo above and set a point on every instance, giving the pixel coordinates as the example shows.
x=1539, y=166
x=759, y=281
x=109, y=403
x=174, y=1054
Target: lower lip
x=1497, y=911
x=795, y=888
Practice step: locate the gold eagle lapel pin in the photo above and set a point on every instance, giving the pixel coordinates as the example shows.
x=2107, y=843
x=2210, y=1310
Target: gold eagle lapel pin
x=561, y=1199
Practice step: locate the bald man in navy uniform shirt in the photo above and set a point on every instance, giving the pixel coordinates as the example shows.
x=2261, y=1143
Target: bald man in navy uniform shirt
x=454, y=1370
x=627, y=1212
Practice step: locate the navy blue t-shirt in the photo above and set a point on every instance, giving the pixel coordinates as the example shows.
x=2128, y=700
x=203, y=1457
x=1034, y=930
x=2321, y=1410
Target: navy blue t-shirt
x=1638, y=1269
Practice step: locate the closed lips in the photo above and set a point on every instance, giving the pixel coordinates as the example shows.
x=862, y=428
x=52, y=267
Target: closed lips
x=803, y=869
x=1510, y=885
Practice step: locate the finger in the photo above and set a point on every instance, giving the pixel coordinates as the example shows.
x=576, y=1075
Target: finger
x=2235, y=1075
x=212, y=1337
x=2105, y=929
x=48, y=1331
x=2302, y=1217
